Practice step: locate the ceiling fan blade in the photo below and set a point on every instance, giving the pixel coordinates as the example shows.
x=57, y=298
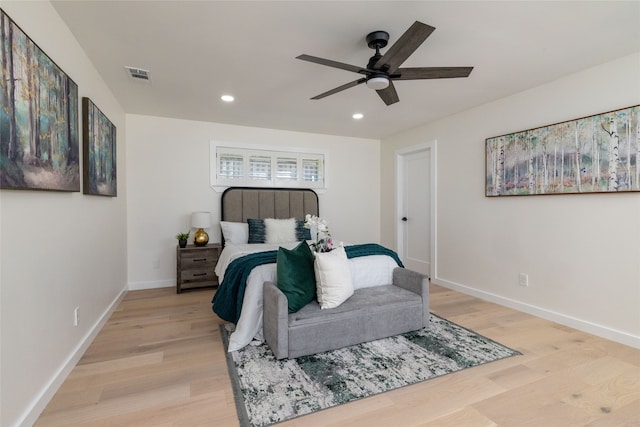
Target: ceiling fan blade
x=334, y=64
x=389, y=94
x=419, y=73
x=404, y=47
x=340, y=88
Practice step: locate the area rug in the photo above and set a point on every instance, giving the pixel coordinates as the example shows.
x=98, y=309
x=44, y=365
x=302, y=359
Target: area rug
x=268, y=391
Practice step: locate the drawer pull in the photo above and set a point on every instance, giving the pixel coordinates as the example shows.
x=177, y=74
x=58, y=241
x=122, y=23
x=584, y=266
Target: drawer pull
x=199, y=274
x=199, y=259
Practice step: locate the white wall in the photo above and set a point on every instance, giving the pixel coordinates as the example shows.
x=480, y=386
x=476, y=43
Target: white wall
x=58, y=250
x=581, y=251
x=168, y=178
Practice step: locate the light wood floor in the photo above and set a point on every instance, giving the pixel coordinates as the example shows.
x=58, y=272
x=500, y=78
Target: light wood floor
x=159, y=362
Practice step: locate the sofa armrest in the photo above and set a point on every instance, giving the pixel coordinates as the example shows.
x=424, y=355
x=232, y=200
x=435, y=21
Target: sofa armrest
x=414, y=282
x=275, y=320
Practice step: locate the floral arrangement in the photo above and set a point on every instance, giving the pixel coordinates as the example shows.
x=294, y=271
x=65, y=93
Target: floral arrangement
x=324, y=242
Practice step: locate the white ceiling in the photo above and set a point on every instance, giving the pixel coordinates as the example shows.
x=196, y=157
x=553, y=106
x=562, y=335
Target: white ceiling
x=198, y=50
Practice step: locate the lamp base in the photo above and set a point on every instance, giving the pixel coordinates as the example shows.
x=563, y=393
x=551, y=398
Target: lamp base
x=200, y=238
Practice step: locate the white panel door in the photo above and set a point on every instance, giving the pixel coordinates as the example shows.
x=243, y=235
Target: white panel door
x=416, y=211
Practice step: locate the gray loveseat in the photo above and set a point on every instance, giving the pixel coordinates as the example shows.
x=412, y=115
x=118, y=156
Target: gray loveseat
x=369, y=314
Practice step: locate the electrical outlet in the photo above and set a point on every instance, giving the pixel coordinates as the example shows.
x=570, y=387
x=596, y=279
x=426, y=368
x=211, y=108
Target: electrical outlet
x=523, y=279
x=76, y=316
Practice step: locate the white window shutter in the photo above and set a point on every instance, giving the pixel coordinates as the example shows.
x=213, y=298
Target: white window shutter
x=254, y=166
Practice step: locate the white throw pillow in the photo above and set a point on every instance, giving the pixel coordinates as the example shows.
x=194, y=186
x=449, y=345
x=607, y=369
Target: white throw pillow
x=236, y=233
x=280, y=230
x=333, y=278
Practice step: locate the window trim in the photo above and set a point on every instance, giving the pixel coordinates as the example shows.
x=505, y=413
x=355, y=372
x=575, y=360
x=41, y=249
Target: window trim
x=274, y=152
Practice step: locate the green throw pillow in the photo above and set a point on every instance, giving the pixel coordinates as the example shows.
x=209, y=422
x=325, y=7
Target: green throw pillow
x=296, y=278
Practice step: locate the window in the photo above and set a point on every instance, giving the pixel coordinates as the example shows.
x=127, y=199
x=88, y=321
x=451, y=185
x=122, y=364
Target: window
x=312, y=169
x=286, y=169
x=260, y=167
x=231, y=166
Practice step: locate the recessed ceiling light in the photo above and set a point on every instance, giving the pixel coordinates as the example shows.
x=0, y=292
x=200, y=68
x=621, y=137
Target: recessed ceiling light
x=227, y=98
x=358, y=116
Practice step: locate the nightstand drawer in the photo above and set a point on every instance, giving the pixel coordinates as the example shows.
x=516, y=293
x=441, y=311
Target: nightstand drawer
x=197, y=275
x=195, y=267
x=198, y=260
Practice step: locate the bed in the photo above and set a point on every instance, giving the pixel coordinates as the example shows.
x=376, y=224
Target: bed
x=243, y=267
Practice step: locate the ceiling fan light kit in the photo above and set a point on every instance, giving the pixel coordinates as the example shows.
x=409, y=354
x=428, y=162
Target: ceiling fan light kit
x=381, y=70
x=378, y=82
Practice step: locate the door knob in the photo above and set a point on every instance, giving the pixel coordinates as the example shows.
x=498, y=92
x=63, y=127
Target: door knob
x=404, y=218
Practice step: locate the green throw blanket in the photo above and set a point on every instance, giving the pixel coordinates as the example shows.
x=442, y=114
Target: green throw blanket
x=227, y=302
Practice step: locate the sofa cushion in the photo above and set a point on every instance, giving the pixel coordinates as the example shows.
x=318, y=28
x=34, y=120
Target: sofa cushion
x=296, y=279
x=362, y=303
x=370, y=314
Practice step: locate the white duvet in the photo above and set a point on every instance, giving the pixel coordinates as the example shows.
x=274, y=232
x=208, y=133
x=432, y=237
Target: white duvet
x=366, y=271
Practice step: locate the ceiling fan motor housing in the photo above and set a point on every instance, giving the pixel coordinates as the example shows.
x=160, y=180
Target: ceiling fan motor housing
x=377, y=39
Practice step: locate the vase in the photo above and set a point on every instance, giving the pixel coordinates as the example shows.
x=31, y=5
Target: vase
x=182, y=243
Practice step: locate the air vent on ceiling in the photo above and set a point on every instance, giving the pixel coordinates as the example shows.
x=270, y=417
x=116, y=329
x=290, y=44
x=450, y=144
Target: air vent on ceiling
x=138, y=73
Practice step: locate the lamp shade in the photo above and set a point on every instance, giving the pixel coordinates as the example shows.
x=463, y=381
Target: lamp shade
x=201, y=220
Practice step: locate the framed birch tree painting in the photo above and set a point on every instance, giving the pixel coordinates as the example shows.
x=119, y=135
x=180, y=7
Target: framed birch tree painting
x=39, y=140
x=99, y=175
x=595, y=154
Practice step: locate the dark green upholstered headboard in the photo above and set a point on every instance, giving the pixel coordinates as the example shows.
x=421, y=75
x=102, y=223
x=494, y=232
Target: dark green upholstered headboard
x=240, y=203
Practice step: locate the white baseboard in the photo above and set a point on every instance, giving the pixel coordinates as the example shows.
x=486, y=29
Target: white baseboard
x=31, y=415
x=580, y=324
x=154, y=284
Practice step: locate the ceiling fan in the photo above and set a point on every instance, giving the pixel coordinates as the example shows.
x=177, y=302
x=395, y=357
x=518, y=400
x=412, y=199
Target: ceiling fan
x=383, y=69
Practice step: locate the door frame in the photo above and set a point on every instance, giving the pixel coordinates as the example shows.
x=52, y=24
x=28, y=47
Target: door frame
x=400, y=154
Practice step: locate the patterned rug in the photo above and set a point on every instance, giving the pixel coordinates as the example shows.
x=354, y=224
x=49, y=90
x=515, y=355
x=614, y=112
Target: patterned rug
x=269, y=391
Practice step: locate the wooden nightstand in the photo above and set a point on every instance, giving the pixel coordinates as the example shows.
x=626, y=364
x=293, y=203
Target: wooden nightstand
x=195, y=265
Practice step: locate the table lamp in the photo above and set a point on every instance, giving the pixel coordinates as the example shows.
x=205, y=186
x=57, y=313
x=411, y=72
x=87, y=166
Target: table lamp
x=201, y=220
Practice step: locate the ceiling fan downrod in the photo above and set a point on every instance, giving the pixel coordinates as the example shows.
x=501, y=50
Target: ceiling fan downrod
x=376, y=40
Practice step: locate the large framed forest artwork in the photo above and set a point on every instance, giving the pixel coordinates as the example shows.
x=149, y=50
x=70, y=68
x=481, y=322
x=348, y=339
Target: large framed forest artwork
x=39, y=140
x=99, y=152
x=595, y=154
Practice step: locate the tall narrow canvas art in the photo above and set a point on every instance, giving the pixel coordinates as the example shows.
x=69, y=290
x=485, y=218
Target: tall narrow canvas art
x=99, y=152
x=595, y=154
x=39, y=141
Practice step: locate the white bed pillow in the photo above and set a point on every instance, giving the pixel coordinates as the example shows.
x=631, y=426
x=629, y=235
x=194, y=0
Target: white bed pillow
x=236, y=233
x=280, y=230
x=333, y=278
